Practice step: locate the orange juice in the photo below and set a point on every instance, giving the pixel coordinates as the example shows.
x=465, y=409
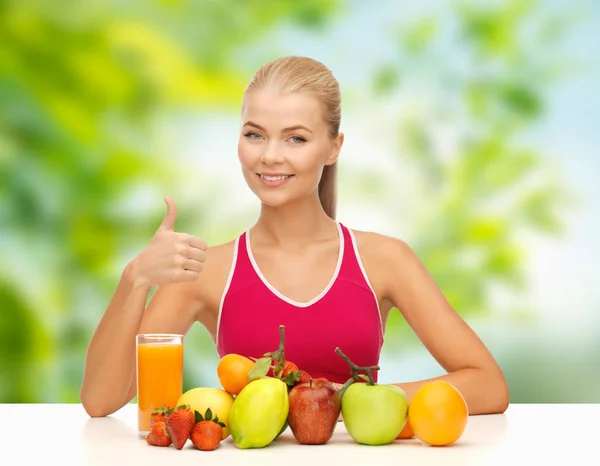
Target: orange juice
x=159, y=374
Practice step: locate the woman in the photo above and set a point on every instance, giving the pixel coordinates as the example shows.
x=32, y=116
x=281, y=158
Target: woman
x=297, y=266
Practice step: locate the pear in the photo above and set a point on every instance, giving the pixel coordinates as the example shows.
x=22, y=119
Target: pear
x=259, y=413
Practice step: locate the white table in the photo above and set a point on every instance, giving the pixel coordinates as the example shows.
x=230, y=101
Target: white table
x=525, y=435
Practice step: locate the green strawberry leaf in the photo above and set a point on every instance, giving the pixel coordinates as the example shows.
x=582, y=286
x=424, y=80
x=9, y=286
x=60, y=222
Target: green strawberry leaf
x=208, y=414
x=292, y=378
x=161, y=410
x=198, y=416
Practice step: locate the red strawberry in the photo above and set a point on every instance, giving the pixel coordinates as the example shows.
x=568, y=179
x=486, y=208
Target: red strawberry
x=158, y=435
x=288, y=367
x=304, y=377
x=206, y=435
x=159, y=414
x=179, y=425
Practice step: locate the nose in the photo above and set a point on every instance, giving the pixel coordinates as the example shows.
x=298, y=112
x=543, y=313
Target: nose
x=272, y=154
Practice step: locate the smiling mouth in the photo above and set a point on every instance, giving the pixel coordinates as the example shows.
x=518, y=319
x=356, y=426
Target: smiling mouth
x=274, y=177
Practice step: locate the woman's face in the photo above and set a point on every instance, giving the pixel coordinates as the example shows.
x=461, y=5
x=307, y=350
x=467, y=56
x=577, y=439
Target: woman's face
x=284, y=145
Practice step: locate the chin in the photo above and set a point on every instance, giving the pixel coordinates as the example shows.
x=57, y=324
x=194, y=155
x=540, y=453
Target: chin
x=273, y=200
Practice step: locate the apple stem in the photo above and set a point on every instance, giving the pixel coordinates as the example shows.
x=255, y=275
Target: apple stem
x=354, y=368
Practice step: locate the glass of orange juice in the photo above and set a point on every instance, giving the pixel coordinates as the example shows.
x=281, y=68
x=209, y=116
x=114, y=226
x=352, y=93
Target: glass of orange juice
x=159, y=367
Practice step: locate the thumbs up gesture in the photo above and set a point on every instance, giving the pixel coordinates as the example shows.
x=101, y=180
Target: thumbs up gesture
x=170, y=257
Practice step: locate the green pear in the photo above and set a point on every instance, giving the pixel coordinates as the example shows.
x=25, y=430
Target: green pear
x=259, y=413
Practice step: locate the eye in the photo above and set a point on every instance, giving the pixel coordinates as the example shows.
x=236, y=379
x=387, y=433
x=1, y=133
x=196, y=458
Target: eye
x=298, y=139
x=252, y=135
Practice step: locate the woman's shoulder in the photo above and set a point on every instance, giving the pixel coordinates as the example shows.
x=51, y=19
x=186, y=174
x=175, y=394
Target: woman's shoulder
x=380, y=246
x=219, y=257
x=204, y=293
x=221, y=251
x=217, y=264
x=387, y=260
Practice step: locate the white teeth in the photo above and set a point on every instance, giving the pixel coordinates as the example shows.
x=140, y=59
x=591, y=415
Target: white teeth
x=275, y=178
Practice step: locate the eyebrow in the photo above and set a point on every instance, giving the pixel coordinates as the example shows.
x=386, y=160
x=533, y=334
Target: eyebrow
x=291, y=128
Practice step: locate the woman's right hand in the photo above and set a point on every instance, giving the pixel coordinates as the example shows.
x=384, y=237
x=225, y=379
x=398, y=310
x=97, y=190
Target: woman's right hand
x=170, y=257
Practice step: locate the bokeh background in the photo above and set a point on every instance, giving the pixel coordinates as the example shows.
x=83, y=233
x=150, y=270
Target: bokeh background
x=472, y=132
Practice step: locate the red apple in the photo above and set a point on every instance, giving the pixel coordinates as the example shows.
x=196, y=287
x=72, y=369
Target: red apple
x=314, y=411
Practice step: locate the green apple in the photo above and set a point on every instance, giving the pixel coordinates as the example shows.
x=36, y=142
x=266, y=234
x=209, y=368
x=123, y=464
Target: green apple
x=374, y=414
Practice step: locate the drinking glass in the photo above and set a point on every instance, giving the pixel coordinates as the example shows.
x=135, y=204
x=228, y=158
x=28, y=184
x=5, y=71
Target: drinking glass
x=159, y=373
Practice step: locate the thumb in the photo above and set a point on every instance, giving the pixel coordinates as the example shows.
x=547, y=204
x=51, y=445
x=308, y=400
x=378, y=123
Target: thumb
x=168, y=223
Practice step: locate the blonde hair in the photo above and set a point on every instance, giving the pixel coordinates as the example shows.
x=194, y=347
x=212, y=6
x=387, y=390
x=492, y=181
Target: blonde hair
x=303, y=74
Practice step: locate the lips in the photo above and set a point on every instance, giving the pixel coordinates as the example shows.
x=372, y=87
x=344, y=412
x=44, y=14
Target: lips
x=274, y=179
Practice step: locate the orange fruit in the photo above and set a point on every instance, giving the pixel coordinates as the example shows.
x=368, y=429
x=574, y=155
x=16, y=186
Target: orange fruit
x=406, y=431
x=232, y=371
x=438, y=413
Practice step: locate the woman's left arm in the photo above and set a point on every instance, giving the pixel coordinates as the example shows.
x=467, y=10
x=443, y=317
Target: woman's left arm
x=456, y=347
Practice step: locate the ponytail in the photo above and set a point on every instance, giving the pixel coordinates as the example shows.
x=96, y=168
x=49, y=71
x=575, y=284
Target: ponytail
x=328, y=189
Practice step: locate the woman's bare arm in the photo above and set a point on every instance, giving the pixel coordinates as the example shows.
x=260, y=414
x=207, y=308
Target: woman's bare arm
x=173, y=262
x=405, y=282
x=109, y=376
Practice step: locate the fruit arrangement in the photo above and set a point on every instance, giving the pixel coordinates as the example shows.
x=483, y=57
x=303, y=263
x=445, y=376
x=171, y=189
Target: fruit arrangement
x=262, y=397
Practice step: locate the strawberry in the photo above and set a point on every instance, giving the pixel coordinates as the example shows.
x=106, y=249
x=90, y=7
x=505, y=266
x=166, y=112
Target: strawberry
x=158, y=435
x=208, y=432
x=159, y=414
x=206, y=435
x=292, y=376
x=288, y=367
x=304, y=377
x=179, y=425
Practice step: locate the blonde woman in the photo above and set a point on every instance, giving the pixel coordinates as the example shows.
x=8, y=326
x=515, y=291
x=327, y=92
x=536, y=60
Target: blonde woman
x=296, y=266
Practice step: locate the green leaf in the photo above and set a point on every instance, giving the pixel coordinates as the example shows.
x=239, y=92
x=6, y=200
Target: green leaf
x=420, y=34
x=260, y=369
x=162, y=410
x=386, y=79
x=292, y=378
x=208, y=415
x=217, y=421
x=198, y=417
x=521, y=99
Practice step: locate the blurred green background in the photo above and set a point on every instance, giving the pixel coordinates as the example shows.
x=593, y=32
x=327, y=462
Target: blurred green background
x=471, y=133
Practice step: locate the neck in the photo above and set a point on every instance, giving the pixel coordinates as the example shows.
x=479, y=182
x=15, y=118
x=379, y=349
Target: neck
x=296, y=224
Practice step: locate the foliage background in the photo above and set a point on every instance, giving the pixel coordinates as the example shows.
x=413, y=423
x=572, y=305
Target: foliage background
x=471, y=133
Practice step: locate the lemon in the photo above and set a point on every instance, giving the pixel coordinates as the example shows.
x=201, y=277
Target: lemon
x=218, y=400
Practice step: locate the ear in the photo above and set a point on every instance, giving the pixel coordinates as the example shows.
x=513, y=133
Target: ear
x=335, y=149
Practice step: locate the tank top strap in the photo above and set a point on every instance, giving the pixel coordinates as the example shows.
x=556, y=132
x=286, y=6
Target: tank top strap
x=353, y=269
x=241, y=267
x=241, y=274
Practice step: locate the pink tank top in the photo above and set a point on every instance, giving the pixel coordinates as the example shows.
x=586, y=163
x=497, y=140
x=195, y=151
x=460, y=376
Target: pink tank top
x=345, y=314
